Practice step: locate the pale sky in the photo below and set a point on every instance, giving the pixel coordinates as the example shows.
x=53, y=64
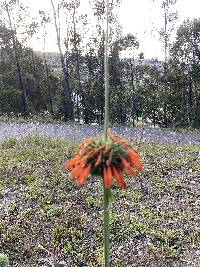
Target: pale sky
x=138, y=17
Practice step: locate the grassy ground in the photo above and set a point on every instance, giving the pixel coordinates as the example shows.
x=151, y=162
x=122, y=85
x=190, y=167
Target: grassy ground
x=30, y=119
x=43, y=216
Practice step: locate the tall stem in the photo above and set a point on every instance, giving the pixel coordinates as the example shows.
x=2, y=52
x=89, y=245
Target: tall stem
x=106, y=75
x=106, y=194
x=106, y=226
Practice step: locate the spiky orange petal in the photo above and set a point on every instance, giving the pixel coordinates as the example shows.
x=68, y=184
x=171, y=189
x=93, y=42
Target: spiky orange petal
x=98, y=161
x=76, y=171
x=107, y=175
x=136, y=163
x=119, y=177
x=84, y=174
x=135, y=160
x=81, y=160
x=71, y=163
x=134, y=154
x=127, y=166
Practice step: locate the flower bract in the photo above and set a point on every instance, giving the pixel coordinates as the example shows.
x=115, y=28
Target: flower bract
x=107, y=158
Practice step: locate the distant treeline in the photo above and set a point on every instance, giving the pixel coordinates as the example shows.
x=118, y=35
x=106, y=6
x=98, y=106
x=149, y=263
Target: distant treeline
x=167, y=93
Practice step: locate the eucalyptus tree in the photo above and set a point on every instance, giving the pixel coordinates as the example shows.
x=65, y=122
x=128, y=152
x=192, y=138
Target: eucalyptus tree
x=130, y=44
x=123, y=94
x=44, y=21
x=67, y=102
x=76, y=51
x=170, y=16
x=8, y=9
x=185, y=73
x=10, y=94
x=16, y=19
x=150, y=91
x=115, y=31
x=75, y=40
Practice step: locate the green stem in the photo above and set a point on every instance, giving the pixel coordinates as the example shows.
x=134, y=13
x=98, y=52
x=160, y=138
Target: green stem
x=106, y=226
x=106, y=74
x=106, y=193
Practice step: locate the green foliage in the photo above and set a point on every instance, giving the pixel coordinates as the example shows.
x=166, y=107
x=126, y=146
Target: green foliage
x=165, y=94
x=183, y=74
x=9, y=143
x=4, y=261
x=10, y=100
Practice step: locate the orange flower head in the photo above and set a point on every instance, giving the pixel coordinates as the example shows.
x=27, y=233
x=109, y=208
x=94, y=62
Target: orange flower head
x=107, y=158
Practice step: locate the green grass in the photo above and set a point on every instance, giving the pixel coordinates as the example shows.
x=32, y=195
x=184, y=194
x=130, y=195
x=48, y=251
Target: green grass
x=4, y=261
x=34, y=118
x=158, y=213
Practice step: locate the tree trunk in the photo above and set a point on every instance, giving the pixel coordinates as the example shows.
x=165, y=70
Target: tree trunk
x=79, y=89
x=133, y=112
x=165, y=76
x=18, y=67
x=67, y=94
x=85, y=110
x=49, y=85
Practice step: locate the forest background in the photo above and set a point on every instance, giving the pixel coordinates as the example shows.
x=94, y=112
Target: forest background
x=68, y=85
